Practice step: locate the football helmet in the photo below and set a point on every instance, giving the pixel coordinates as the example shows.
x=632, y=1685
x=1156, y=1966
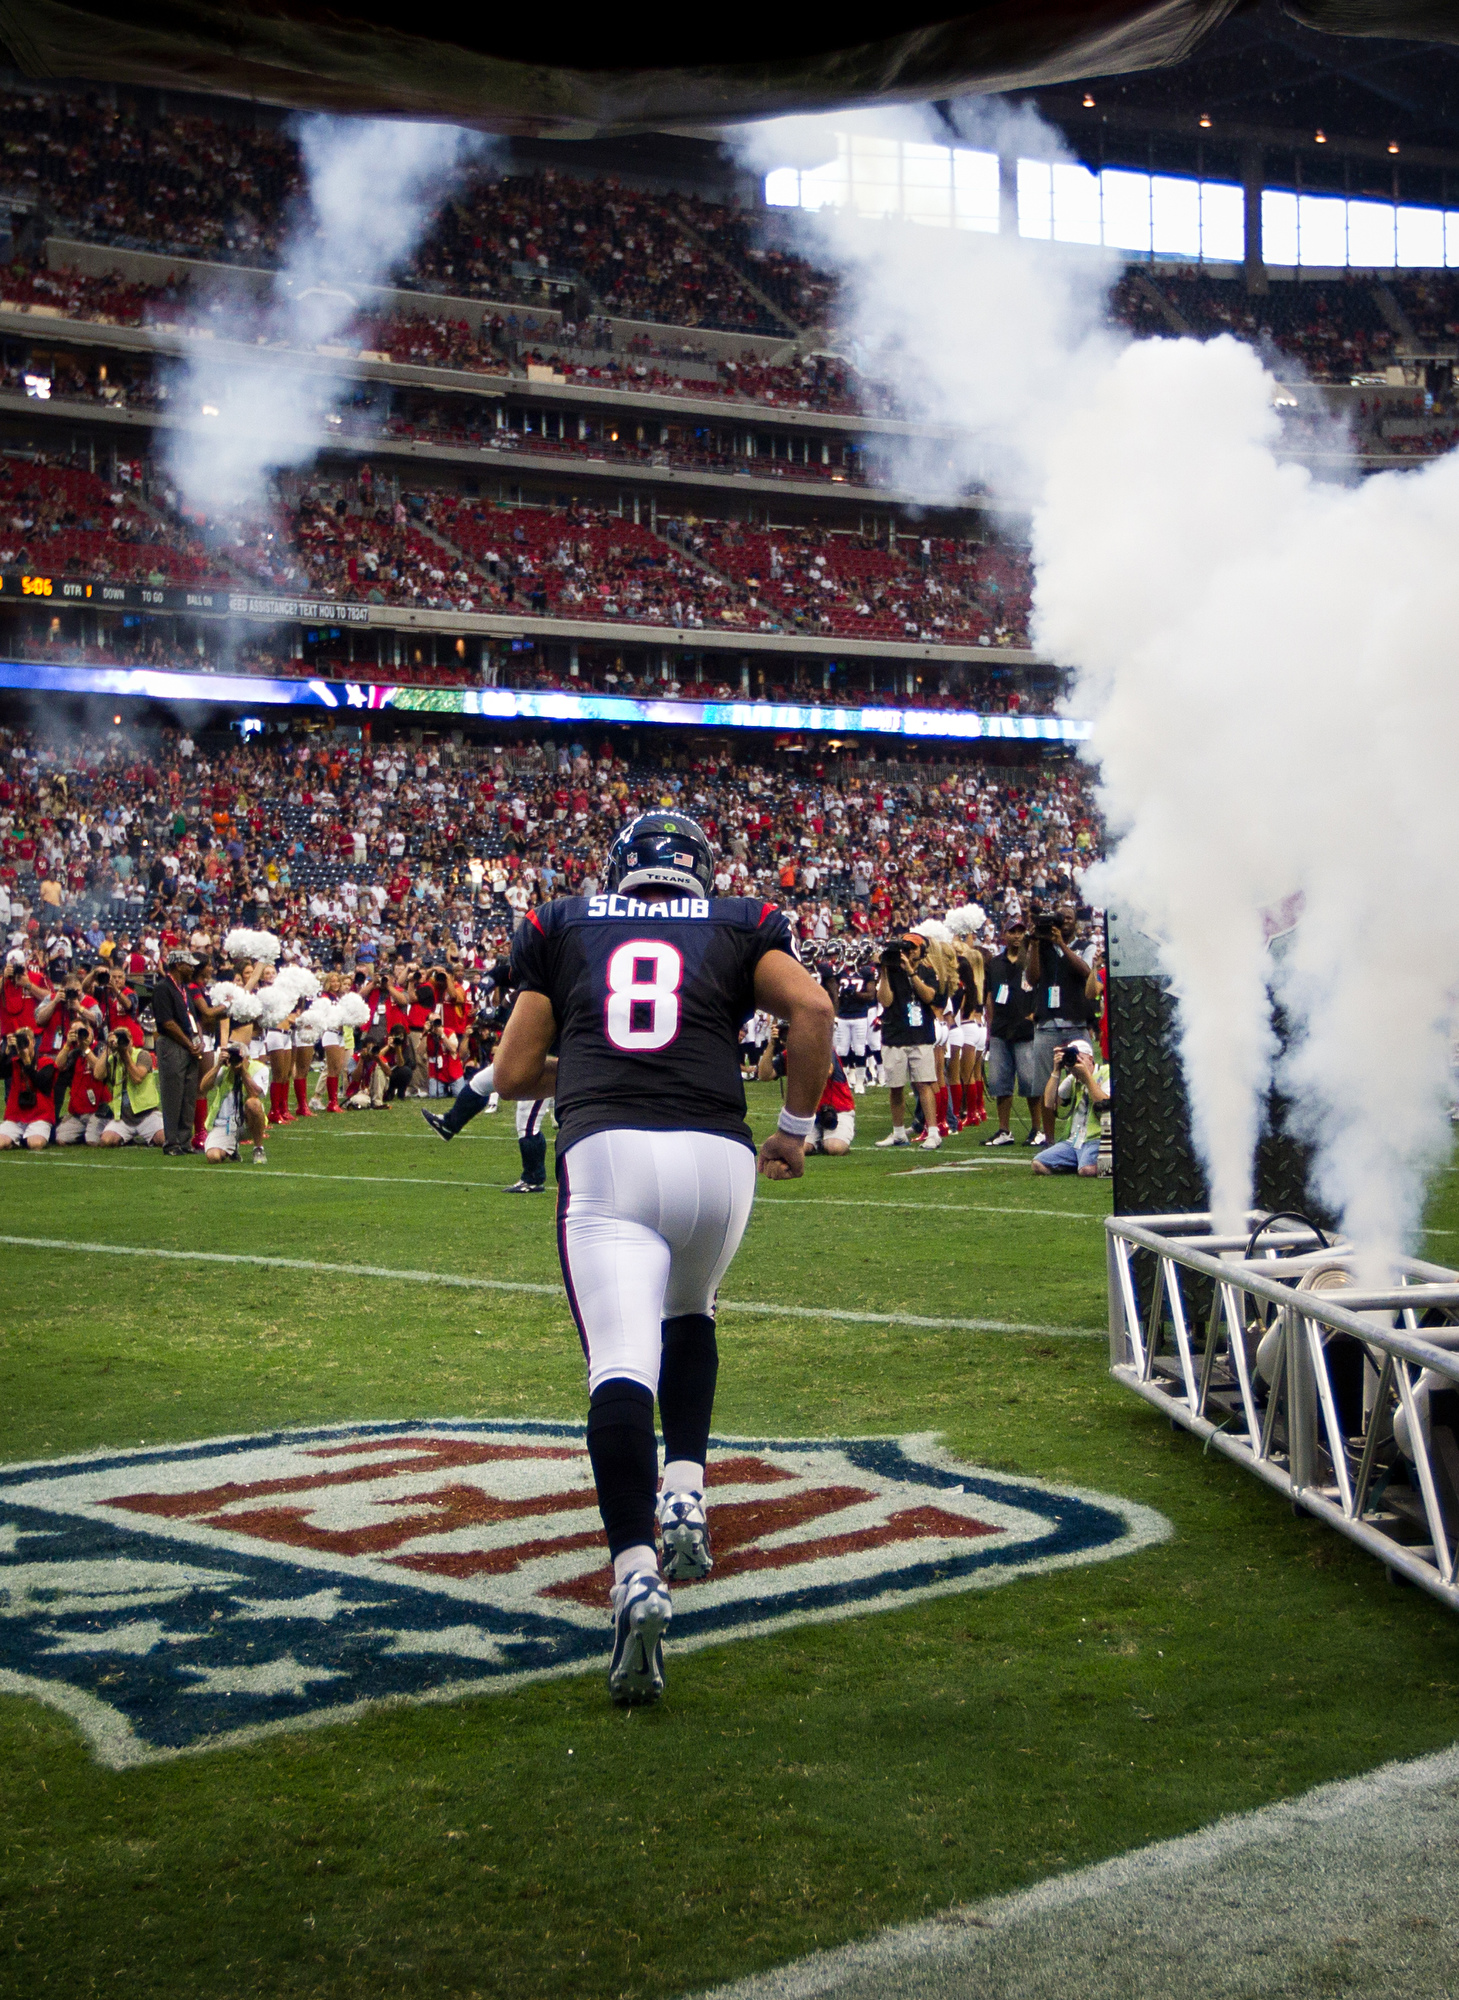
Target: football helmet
x=661, y=850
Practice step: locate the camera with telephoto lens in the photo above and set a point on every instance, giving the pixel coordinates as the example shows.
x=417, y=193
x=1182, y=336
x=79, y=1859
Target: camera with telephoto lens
x=233, y=1056
x=1044, y=926
x=121, y=1039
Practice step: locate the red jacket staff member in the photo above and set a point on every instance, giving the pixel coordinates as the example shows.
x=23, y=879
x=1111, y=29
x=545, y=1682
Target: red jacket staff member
x=20, y=992
x=30, y=1093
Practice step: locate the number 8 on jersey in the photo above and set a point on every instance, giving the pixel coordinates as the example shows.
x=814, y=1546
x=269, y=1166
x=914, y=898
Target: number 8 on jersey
x=643, y=978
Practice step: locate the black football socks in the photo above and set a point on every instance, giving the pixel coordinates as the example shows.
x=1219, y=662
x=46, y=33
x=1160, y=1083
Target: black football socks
x=625, y=1459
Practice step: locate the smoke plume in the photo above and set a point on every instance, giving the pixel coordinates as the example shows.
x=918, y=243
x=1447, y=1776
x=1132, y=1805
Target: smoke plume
x=373, y=185
x=1265, y=659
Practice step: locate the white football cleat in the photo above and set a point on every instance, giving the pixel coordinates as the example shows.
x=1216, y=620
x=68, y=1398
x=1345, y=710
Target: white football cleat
x=893, y=1139
x=932, y=1139
x=641, y=1613
x=685, y=1533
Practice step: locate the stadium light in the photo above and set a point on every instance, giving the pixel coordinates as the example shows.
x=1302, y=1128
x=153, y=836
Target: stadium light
x=1204, y=122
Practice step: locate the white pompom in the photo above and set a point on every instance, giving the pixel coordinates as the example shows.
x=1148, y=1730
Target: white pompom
x=320, y=1017
x=243, y=943
x=354, y=1012
x=275, y=1003
x=300, y=981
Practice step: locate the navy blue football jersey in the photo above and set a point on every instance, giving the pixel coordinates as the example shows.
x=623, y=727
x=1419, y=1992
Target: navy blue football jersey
x=649, y=998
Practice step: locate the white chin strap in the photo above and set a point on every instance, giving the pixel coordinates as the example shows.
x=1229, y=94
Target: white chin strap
x=662, y=878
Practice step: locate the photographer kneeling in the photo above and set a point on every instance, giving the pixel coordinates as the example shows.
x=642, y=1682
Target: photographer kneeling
x=81, y=1093
x=30, y=1093
x=136, y=1095
x=1076, y=1074
x=234, y=1086
x=835, y=1126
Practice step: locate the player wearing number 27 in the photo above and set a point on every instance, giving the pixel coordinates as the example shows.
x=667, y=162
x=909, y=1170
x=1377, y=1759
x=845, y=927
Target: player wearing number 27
x=643, y=990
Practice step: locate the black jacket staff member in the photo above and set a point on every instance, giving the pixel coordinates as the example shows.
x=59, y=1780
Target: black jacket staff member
x=1057, y=978
x=908, y=992
x=179, y=1050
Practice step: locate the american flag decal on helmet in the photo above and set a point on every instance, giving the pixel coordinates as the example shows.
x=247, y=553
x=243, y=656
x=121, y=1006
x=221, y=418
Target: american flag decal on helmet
x=174, y=1598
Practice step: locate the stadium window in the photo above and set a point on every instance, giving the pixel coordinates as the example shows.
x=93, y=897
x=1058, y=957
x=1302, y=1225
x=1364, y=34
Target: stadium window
x=1076, y=205
x=1278, y=226
x=1126, y=200
x=975, y=189
x=874, y=175
x=1372, y=235
x=1175, y=216
x=1322, y=229
x=1420, y=238
x=1035, y=200
x=927, y=184
x=1223, y=222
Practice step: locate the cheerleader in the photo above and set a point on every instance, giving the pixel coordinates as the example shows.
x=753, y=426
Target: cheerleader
x=279, y=1014
x=942, y=962
x=337, y=1043
x=971, y=1038
x=304, y=1035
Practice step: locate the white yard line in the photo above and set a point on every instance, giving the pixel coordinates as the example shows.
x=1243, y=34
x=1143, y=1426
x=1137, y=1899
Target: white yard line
x=924, y=1207
x=459, y=1283
x=951, y=1953
x=430, y=1180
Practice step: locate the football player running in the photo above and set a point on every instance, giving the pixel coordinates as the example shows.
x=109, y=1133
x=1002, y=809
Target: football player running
x=642, y=991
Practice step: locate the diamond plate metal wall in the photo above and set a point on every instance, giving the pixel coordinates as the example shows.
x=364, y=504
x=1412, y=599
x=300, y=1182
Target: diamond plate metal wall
x=1156, y=1170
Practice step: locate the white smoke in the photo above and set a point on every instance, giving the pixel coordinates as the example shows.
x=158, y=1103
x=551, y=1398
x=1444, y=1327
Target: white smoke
x=373, y=185
x=1265, y=660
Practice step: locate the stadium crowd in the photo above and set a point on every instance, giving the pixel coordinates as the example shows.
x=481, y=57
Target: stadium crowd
x=353, y=846
x=353, y=540
x=223, y=192
x=398, y=871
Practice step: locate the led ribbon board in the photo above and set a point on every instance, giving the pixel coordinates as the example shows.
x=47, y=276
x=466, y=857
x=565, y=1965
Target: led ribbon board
x=512, y=704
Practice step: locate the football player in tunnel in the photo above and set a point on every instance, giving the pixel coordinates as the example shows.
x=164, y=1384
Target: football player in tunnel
x=641, y=991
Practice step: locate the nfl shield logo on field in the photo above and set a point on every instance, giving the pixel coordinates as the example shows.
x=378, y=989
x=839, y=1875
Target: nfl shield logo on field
x=183, y=1596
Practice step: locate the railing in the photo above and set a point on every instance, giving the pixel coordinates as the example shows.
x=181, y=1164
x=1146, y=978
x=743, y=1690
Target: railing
x=1350, y=1408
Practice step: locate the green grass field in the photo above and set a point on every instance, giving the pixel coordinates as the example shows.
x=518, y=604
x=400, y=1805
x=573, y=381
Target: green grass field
x=790, y=1792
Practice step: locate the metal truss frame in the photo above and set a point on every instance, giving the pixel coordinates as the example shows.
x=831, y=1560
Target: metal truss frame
x=1317, y=1422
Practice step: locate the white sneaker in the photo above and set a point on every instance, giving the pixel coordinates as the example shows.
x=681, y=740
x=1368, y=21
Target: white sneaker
x=641, y=1613
x=685, y=1535
x=894, y=1139
x=1001, y=1139
x=932, y=1140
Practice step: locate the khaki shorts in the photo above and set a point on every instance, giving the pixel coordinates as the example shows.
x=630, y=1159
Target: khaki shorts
x=917, y=1064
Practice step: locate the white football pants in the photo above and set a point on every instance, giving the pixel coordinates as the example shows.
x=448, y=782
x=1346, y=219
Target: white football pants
x=531, y=1115
x=647, y=1225
x=849, y=1036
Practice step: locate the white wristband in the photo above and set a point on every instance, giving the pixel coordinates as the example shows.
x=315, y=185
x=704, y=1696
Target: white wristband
x=796, y=1128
